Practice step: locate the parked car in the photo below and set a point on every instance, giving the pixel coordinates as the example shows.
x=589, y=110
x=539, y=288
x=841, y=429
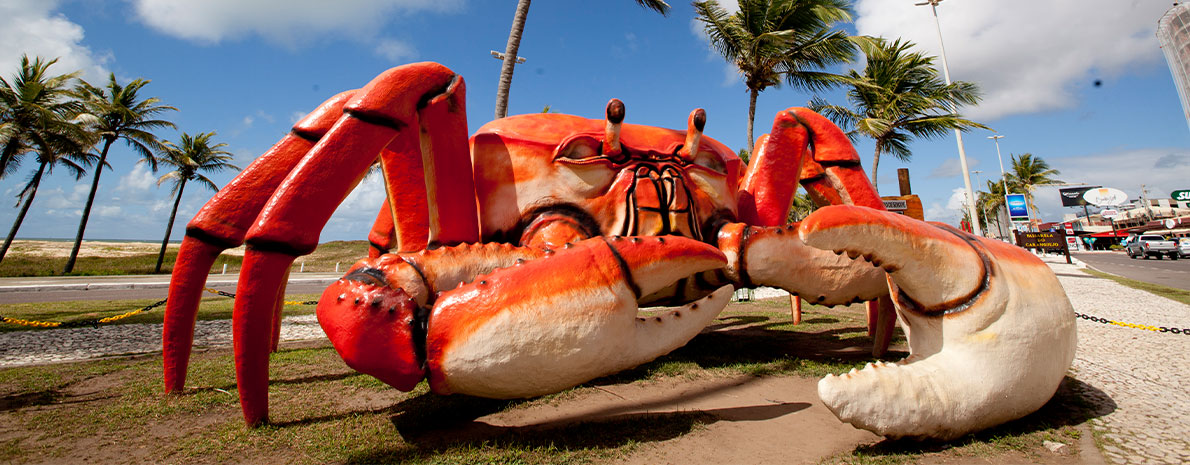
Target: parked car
x=1151, y=245
x=1184, y=247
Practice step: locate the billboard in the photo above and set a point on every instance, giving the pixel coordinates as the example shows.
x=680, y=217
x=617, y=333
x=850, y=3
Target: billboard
x=1105, y=197
x=1018, y=210
x=1073, y=197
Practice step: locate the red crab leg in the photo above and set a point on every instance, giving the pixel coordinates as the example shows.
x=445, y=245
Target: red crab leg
x=382, y=119
x=383, y=236
x=222, y=224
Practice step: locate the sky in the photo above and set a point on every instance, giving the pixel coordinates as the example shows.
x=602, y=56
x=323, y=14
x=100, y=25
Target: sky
x=1080, y=83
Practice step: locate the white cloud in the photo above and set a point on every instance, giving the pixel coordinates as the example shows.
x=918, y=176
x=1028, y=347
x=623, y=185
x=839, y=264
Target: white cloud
x=731, y=74
x=31, y=27
x=286, y=22
x=952, y=211
x=395, y=51
x=952, y=167
x=1027, y=56
x=137, y=181
x=353, y=219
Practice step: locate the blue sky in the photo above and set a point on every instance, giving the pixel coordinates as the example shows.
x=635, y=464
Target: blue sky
x=249, y=69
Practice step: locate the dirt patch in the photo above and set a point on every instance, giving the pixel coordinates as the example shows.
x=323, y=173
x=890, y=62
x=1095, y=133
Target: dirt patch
x=697, y=405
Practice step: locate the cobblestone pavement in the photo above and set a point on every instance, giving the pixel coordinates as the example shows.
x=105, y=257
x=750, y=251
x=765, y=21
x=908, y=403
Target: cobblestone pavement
x=61, y=345
x=1137, y=377
x=1142, y=373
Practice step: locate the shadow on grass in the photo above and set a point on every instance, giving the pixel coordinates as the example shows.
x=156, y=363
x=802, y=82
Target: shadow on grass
x=1073, y=404
x=29, y=399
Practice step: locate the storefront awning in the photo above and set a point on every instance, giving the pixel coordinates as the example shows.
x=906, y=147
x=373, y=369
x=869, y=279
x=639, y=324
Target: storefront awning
x=1110, y=234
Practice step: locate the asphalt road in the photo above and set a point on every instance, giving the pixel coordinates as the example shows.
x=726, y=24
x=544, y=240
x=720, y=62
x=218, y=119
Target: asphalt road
x=1166, y=272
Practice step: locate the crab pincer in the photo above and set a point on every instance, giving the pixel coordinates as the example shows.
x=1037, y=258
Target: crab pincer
x=536, y=327
x=991, y=332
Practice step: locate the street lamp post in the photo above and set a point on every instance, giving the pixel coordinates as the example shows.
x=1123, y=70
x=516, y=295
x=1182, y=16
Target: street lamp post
x=957, y=133
x=1003, y=176
x=981, y=209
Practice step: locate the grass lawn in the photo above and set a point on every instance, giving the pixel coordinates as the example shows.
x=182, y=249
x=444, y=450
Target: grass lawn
x=112, y=411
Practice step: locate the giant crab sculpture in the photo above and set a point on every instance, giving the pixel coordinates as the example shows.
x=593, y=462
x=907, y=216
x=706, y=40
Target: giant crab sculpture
x=514, y=267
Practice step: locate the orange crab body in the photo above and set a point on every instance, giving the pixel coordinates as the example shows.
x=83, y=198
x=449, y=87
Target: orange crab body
x=512, y=264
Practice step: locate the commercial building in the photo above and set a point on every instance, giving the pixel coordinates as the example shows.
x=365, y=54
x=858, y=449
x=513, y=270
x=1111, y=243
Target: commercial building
x=1173, y=32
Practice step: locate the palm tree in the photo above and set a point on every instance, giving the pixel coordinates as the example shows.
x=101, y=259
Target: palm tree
x=801, y=207
x=514, y=44
x=773, y=39
x=119, y=113
x=990, y=201
x=1027, y=173
x=55, y=149
x=190, y=157
x=899, y=97
x=33, y=105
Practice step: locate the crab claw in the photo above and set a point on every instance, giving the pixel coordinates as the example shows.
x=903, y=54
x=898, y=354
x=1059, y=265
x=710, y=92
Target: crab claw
x=991, y=332
x=547, y=324
x=376, y=327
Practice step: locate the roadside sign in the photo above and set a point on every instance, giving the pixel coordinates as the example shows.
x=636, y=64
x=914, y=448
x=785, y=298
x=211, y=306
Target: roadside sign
x=896, y=205
x=1072, y=243
x=1109, y=214
x=1105, y=197
x=1181, y=196
x=1169, y=224
x=1018, y=210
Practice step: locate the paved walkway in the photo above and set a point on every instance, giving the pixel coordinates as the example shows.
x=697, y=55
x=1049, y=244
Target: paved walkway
x=1143, y=373
x=1137, y=377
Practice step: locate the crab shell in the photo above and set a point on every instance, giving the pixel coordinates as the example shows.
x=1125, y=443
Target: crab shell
x=535, y=164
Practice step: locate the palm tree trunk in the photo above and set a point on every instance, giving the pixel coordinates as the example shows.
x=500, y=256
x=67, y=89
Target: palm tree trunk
x=510, y=55
x=78, y=238
x=875, y=166
x=173, y=214
x=751, y=117
x=36, y=181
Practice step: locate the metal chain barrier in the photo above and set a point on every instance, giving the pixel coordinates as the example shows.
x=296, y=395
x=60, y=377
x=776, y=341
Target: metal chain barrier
x=1159, y=329
x=95, y=322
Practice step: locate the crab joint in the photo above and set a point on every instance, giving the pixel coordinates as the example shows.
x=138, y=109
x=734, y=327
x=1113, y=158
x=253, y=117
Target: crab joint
x=615, y=116
x=694, y=125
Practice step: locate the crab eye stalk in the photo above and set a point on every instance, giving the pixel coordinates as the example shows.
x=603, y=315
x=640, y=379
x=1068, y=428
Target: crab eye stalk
x=694, y=125
x=580, y=148
x=611, y=135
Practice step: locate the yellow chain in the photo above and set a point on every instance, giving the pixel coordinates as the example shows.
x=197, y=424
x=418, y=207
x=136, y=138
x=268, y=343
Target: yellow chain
x=110, y=319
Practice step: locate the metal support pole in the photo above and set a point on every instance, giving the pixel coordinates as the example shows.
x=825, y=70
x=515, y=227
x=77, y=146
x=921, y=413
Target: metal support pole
x=958, y=135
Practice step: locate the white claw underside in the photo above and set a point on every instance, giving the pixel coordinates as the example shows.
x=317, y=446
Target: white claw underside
x=515, y=356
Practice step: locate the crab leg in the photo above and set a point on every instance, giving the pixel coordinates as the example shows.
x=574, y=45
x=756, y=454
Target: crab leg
x=222, y=224
x=385, y=119
x=991, y=332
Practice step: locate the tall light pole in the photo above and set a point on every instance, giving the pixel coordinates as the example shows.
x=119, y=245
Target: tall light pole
x=1003, y=176
x=957, y=133
x=980, y=210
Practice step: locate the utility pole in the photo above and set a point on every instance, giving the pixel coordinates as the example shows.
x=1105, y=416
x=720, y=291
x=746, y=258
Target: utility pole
x=957, y=133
